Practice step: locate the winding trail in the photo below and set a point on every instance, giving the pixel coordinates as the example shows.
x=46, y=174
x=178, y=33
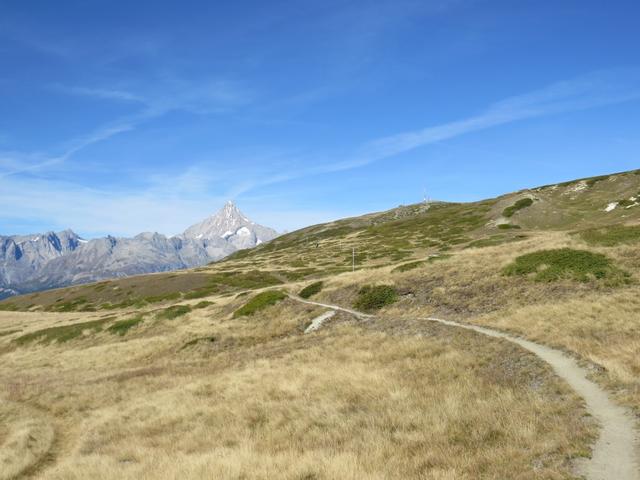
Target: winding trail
x=615, y=454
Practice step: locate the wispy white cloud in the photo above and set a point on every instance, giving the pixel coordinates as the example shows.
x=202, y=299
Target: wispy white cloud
x=102, y=93
x=593, y=90
x=94, y=212
x=584, y=92
x=209, y=97
x=168, y=203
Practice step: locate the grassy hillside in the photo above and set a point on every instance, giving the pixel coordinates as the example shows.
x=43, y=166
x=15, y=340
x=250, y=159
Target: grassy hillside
x=381, y=239
x=208, y=372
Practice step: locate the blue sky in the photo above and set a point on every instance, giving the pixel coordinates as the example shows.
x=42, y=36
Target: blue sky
x=121, y=117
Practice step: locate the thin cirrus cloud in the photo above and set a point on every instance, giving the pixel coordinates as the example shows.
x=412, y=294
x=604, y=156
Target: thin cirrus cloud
x=588, y=91
x=135, y=209
x=584, y=92
x=206, y=98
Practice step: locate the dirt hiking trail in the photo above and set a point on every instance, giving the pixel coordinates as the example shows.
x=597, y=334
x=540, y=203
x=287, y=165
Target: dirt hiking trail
x=615, y=454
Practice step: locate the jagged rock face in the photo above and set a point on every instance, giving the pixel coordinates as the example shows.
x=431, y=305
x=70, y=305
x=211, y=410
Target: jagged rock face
x=35, y=262
x=22, y=256
x=233, y=226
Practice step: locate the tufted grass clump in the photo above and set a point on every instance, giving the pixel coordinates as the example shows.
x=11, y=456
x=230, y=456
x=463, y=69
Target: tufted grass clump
x=372, y=298
x=566, y=263
x=260, y=302
x=310, y=290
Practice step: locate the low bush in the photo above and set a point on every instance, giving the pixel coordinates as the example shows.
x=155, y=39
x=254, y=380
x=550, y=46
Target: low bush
x=203, y=304
x=519, y=205
x=372, y=298
x=260, y=302
x=61, y=334
x=311, y=290
x=172, y=312
x=508, y=226
x=9, y=332
x=123, y=326
x=566, y=263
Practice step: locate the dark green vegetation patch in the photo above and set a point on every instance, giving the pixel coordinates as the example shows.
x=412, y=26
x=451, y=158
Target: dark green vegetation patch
x=372, y=298
x=566, y=263
x=61, y=334
x=203, y=304
x=172, y=312
x=260, y=302
x=9, y=332
x=519, y=205
x=508, y=226
x=123, y=326
x=311, y=290
x=611, y=236
x=224, y=281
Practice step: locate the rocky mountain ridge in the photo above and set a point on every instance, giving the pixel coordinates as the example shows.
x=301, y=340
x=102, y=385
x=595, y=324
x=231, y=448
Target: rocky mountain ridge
x=31, y=263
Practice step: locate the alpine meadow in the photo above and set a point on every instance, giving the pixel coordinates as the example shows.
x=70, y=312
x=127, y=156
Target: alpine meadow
x=319, y=240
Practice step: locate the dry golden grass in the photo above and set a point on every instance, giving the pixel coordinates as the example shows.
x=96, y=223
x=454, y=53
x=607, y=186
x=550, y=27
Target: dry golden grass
x=603, y=329
x=597, y=323
x=264, y=401
x=26, y=437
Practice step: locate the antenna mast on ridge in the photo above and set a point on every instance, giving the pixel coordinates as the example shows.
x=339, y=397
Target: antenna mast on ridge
x=426, y=200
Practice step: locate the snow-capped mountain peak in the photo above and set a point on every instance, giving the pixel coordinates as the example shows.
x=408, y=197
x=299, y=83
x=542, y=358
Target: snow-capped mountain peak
x=47, y=260
x=230, y=224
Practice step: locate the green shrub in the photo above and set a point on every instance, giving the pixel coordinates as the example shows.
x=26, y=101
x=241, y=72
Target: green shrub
x=61, y=334
x=566, y=263
x=260, y=302
x=593, y=180
x=172, y=312
x=372, y=298
x=9, y=332
x=311, y=290
x=201, y=292
x=162, y=298
x=8, y=307
x=80, y=304
x=611, y=236
x=203, y=304
x=123, y=326
x=508, y=226
x=519, y=205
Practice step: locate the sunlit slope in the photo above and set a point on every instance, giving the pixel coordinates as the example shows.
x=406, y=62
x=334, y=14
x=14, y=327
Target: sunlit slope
x=402, y=234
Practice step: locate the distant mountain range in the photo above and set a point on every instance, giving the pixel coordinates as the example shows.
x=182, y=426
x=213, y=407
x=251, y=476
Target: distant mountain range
x=30, y=263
